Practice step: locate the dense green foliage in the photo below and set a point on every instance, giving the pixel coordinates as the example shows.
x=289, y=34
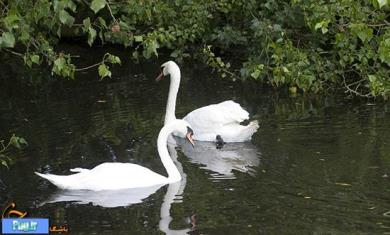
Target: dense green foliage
x=306, y=45
x=14, y=141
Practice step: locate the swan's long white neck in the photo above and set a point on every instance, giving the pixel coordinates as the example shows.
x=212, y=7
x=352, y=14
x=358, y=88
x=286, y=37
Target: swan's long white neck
x=173, y=172
x=173, y=89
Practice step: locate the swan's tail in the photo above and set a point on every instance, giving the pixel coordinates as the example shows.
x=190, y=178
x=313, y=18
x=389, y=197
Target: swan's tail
x=249, y=130
x=241, y=133
x=61, y=181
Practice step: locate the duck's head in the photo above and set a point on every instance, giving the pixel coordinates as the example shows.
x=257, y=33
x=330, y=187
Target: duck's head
x=169, y=68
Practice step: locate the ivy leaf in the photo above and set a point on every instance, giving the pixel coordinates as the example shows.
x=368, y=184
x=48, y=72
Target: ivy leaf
x=7, y=39
x=59, y=64
x=372, y=78
x=91, y=35
x=135, y=55
x=97, y=5
x=35, y=59
x=22, y=141
x=113, y=59
x=362, y=31
x=104, y=71
x=323, y=25
x=4, y=163
x=150, y=48
x=384, y=51
x=255, y=74
x=138, y=38
x=86, y=24
x=14, y=141
x=65, y=18
x=382, y=3
x=102, y=22
x=11, y=21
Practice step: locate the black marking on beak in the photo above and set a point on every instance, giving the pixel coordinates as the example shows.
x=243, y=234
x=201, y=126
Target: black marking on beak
x=189, y=135
x=161, y=75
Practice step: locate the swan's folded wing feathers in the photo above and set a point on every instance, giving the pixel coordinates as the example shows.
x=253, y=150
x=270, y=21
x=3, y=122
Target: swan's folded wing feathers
x=233, y=110
x=78, y=169
x=216, y=115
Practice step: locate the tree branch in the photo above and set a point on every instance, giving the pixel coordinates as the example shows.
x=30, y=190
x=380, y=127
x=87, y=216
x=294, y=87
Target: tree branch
x=355, y=91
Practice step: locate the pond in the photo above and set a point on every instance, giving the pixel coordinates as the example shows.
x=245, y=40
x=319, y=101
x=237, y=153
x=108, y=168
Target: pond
x=319, y=164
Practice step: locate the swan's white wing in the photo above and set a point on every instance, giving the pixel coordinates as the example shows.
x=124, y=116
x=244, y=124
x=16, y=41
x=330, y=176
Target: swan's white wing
x=126, y=175
x=221, y=119
x=108, y=176
x=215, y=116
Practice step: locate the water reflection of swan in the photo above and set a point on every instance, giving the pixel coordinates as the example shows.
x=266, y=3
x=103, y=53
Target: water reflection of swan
x=106, y=198
x=242, y=157
x=174, y=193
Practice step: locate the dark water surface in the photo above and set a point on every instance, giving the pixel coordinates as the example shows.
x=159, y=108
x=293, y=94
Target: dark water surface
x=318, y=164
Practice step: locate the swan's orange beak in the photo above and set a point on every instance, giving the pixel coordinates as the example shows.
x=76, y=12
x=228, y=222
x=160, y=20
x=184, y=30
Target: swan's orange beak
x=160, y=76
x=189, y=138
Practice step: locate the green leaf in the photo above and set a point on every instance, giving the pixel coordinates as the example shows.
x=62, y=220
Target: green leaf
x=102, y=22
x=372, y=78
x=382, y=3
x=11, y=21
x=97, y=5
x=65, y=18
x=318, y=25
x=138, y=38
x=255, y=74
x=86, y=24
x=71, y=5
x=35, y=59
x=362, y=31
x=135, y=55
x=22, y=141
x=91, y=35
x=14, y=141
x=323, y=25
x=4, y=163
x=384, y=51
x=150, y=48
x=104, y=71
x=59, y=64
x=7, y=39
x=277, y=28
x=64, y=68
x=113, y=59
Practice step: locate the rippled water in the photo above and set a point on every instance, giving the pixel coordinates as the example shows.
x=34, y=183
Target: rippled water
x=318, y=164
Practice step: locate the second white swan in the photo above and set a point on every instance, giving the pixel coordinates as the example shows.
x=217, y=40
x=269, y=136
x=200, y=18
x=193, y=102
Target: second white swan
x=217, y=122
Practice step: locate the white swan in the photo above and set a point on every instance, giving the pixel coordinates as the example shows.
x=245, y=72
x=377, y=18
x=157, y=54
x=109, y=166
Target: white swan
x=115, y=176
x=222, y=120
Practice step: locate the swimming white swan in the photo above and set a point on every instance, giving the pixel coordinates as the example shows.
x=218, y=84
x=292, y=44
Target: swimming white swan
x=217, y=122
x=114, y=176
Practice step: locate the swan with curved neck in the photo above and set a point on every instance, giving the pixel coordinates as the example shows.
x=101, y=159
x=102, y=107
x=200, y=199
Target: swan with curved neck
x=114, y=176
x=217, y=122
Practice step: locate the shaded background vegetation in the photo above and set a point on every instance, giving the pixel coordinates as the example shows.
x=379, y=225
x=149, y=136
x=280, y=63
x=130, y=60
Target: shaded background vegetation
x=303, y=45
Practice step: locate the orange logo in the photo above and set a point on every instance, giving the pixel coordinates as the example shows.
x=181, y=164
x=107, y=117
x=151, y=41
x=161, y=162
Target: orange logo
x=10, y=211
